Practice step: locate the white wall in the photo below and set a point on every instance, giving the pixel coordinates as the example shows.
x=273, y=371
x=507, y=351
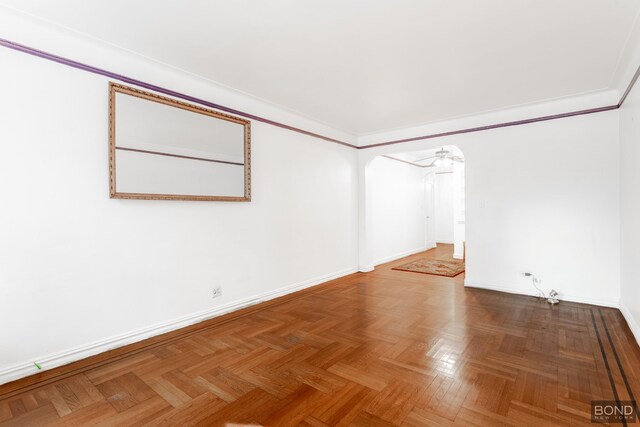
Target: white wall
x=431, y=210
x=399, y=209
x=84, y=273
x=544, y=198
x=81, y=273
x=630, y=209
x=459, y=208
x=541, y=197
x=444, y=206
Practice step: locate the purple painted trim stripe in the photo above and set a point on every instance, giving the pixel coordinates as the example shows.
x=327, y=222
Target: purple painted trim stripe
x=517, y=122
x=129, y=80
x=634, y=79
x=496, y=126
x=403, y=161
x=179, y=156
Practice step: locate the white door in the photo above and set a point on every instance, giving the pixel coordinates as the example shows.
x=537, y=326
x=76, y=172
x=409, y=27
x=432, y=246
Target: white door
x=444, y=207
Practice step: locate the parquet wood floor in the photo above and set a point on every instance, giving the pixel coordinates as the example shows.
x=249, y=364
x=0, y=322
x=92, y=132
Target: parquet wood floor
x=375, y=349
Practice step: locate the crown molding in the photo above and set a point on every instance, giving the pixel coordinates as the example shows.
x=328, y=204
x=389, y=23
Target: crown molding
x=129, y=80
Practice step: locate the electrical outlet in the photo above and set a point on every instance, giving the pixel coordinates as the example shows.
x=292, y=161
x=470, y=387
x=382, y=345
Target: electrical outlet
x=217, y=291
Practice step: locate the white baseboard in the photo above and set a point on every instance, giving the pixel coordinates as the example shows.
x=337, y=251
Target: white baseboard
x=457, y=256
x=81, y=352
x=445, y=242
x=631, y=321
x=402, y=255
x=532, y=292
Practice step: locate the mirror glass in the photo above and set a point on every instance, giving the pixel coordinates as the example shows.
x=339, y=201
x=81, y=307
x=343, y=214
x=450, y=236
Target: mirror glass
x=161, y=148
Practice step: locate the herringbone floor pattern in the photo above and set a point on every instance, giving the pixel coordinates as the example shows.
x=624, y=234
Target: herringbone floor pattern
x=382, y=348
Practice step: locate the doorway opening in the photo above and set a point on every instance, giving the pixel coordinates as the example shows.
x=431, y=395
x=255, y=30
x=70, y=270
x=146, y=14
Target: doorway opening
x=419, y=204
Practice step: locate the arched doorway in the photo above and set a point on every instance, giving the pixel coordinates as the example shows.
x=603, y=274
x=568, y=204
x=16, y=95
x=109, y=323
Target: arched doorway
x=415, y=200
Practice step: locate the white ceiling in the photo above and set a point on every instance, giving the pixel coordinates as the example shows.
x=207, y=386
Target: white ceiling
x=370, y=65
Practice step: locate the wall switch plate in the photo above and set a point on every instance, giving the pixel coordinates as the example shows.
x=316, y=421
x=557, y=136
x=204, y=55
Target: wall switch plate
x=217, y=291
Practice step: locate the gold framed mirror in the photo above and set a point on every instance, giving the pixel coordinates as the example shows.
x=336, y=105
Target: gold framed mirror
x=164, y=149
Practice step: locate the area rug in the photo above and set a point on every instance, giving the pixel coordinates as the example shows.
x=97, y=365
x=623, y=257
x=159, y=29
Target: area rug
x=438, y=267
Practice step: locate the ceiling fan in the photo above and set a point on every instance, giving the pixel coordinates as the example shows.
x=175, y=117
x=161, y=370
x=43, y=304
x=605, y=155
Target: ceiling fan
x=442, y=157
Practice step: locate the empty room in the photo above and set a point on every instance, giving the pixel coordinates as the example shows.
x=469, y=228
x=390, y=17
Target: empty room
x=319, y=213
